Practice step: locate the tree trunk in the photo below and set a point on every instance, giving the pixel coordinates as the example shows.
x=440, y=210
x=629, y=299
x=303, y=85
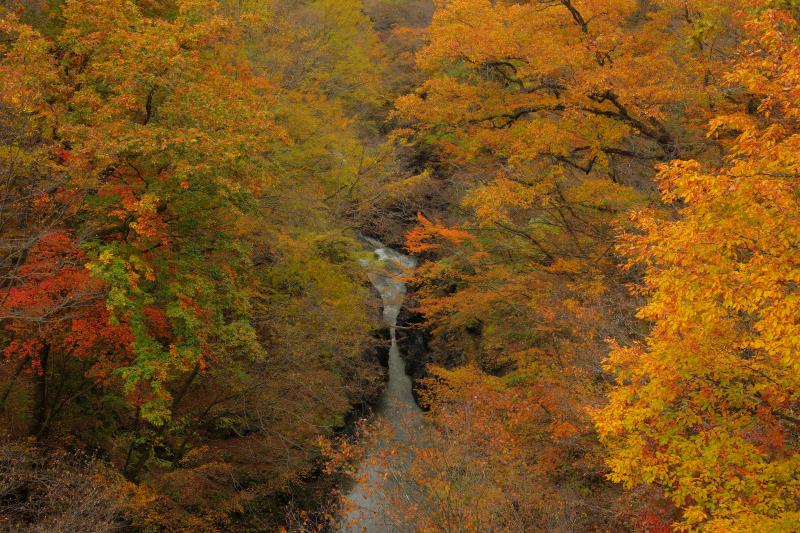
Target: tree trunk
x=40, y=393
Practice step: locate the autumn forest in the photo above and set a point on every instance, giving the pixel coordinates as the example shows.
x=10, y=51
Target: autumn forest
x=399, y=265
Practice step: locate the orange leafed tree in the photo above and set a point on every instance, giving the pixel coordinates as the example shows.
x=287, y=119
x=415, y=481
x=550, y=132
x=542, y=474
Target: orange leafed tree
x=709, y=406
x=545, y=120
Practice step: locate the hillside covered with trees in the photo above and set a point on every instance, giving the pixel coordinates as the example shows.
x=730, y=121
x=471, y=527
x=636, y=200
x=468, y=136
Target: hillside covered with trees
x=602, y=198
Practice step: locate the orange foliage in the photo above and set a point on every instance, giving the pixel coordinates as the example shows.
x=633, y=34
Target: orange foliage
x=708, y=406
x=546, y=119
x=417, y=240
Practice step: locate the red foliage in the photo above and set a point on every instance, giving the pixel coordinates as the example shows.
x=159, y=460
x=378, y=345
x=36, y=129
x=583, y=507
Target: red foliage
x=157, y=323
x=59, y=304
x=53, y=276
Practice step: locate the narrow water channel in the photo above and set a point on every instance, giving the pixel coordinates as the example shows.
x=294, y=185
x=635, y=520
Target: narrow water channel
x=370, y=497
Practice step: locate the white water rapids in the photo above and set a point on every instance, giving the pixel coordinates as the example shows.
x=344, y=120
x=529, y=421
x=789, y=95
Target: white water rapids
x=377, y=479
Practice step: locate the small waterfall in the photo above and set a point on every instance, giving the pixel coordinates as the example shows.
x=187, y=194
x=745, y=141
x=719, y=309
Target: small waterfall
x=396, y=408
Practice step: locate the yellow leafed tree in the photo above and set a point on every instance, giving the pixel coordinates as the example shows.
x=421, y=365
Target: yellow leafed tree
x=708, y=406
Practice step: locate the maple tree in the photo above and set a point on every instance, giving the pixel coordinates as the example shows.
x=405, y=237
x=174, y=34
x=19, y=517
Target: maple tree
x=56, y=311
x=707, y=406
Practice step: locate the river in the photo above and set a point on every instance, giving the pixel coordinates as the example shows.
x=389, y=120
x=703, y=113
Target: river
x=372, y=499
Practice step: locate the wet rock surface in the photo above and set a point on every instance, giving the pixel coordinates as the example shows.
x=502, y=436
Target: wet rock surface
x=379, y=351
x=412, y=339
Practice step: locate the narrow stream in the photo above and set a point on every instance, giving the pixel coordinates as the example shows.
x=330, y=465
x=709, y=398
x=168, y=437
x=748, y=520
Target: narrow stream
x=397, y=408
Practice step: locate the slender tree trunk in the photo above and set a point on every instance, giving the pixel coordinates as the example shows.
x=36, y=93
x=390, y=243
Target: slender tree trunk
x=132, y=447
x=7, y=390
x=40, y=393
x=146, y=448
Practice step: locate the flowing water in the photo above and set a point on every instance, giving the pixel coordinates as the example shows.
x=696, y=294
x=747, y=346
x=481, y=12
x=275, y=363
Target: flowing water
x=378, y=478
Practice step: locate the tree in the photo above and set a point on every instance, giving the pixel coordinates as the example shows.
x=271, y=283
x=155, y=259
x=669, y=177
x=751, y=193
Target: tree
x=543, y=121
x=56, y=315
x=707, y=407
x=157, y=179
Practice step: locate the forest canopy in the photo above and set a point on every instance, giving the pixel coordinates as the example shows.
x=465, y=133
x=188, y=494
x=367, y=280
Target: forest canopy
x=602, y=198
